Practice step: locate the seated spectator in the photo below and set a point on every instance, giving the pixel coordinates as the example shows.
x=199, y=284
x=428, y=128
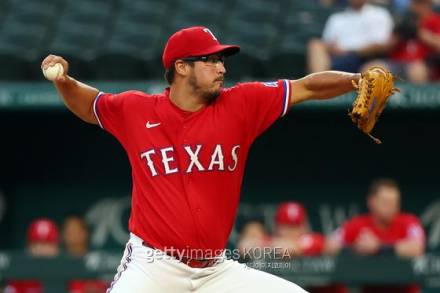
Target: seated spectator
x=416, y=43
x=384, y=230
x=75, y=236
x=42, y=241
x=43, y=238
x=396, y=6
x=76, y=243
x=292, y=231
x=351, y=38
x=252, y=236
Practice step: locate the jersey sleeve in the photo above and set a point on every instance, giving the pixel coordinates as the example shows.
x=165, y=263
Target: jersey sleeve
x=414, y=230
x=261, y=104
x=312, y=244
x=110, y=111
x=349, y=232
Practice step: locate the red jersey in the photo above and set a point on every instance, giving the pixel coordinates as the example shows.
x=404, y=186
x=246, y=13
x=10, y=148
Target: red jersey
x=403, y=226
x=312, y=244
x=24, y=286
x=431, y=23
x=187, y=167
x=415, y=49
x=85, y=286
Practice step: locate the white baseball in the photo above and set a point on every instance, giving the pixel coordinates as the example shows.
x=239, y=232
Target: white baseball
x=52, y=72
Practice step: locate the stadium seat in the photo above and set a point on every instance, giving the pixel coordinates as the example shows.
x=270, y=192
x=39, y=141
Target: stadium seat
x=114, y=66
x=285, y=64
x=310, y=23
x=289, y=57
x=78, y=42
x=88, y=12
x=129, y=52
x=34, y=13
x=4, y=7
x=298, y=5
x=105, y=31
x=22, y=39
x=19, y=45
x=142, y=16
x=256, y=11
x=256, y=41
x=150, y=11
x=299, y=26
x=255, y=38
x=82, y=40
x=17, y=67
x=191, y=13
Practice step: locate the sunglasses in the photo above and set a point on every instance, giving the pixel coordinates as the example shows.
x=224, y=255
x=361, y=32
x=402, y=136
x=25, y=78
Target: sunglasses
x=211, y=59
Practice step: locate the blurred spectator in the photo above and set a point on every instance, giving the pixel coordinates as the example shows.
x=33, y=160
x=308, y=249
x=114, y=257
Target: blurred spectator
x=350, y=38
x=292, y=231
x=87, y=286
x=42, y=241
x=384, y=230
x=401, y=6
x=253, y=236
x=396, y=6
x=416, y=43
x=76, y=243
x=43, y=238
x=75, y=236
x=24, y=286
x=334, y=3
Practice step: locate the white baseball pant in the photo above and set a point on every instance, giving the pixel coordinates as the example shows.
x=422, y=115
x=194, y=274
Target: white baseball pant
x=145, y=270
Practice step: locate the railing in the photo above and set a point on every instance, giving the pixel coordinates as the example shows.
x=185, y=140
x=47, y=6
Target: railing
x=42, y=95
x=347, y=269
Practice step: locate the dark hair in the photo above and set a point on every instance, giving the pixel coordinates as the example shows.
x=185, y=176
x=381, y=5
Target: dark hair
x=381, y=182
x=242, y=221
x=78, y=218
x=169, y=73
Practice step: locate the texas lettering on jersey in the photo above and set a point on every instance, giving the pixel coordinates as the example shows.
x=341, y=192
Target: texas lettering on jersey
x=187, y=167
x=218, y=162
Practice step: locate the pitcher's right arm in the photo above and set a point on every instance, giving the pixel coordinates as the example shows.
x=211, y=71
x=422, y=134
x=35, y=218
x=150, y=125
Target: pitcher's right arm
x=77, y=96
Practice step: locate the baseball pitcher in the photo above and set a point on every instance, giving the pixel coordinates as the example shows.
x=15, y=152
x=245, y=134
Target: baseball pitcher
x=187, y=148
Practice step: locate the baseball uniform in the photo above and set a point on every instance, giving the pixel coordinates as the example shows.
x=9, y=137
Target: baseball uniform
x=294, y=214
x=403, y=226
x=187, y=170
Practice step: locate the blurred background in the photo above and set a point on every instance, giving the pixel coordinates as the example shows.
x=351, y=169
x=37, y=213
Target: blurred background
x=65, y=185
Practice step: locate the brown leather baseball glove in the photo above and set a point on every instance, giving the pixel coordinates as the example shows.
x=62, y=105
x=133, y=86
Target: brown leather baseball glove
x=373, y=90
